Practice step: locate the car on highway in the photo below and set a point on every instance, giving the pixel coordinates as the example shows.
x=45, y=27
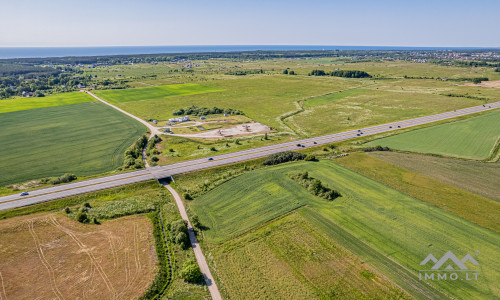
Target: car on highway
x=210, y=158
x=390, y=126
x=358, y=134
x=24, y=194
x=314, y=143
x=299, y=145
x=399, y=126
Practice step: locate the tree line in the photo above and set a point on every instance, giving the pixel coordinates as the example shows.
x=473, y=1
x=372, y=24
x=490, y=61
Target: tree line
x=203, y=111
x=341, y=73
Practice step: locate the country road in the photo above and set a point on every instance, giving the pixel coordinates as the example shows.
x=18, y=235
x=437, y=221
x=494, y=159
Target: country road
x=66, y=190
x=198, y=253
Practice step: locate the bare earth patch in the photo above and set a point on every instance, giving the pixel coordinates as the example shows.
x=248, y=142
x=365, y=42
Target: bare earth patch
x=48, y=256
x=490, y=84
x=239, y=130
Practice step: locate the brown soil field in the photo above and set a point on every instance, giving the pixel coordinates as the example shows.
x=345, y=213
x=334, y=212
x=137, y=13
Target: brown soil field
x=491, y=84
x=49, y=256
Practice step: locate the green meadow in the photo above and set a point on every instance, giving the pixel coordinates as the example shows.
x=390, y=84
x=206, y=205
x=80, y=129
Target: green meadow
x=403, y=228
x=473, y=138
x=156, y=92
x=40, y=102
x=84, y=139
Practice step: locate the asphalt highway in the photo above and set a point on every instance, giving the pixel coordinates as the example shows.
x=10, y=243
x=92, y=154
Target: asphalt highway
x=80, y=187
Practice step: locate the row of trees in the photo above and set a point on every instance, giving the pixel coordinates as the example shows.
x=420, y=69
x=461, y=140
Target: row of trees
x=203, y=111
x=282, y=157
x=133, y=155
x=341, y=73
x=315, y=186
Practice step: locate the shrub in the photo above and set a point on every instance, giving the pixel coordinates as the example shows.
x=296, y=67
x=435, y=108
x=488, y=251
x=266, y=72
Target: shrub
x=67, y=210
x=82, y=217
x=155, y=158
x=64, y=178
x=314, y=186
x=187, y=196
x=182, y=239
x=377, y=148
x=213, y=149
x=195, y=221
x=310, y=157
x=191, y=272
x=282, y=157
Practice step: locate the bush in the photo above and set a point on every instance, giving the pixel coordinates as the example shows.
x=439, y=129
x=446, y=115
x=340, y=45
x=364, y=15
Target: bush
x=155, y=158
x=213, y=149
x=67, y=210
x=195, y=221
x=282, y=157
x=191, y=272
x=82, y=217
x=64, y=179
x=310, y=157
x=187, y=196
x=377, y=148
x=182, y=239
x=315, y=186
x=203, y=111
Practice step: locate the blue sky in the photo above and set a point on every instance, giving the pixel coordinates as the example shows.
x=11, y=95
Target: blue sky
x=253, y=22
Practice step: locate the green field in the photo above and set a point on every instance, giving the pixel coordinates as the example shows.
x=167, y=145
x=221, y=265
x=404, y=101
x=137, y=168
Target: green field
x=403, y=228
x=321, y=100
x=292, y=259
x=156, y=92
x=474, y=176
x=84, y=139
x=473, y=138
x=40, y=102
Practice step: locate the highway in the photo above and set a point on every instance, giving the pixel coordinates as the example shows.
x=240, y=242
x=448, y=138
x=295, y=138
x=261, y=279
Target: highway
x=85, y=186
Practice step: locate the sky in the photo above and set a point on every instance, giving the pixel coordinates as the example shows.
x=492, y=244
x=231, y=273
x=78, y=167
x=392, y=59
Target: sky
x=437, y=23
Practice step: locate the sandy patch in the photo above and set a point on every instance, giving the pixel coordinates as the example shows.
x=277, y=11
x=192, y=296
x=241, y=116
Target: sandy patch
x=490, y=84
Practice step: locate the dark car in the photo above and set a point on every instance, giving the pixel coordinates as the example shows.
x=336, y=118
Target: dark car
x=298, y=145
x=358, y=134
x=399, y=126
x=24, y=194
x=359, y=130
x=210, y=158
x=314, y=143
x=390, y=126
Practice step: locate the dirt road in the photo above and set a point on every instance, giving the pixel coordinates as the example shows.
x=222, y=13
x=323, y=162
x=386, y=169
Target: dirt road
x=200, y=258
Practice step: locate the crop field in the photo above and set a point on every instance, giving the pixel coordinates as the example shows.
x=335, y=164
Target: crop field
x=156, y=92
x=84, y=139
x=289, y=258
x=321, y=100
x=477, y=177
x=473, y=138
x=40, y=102
x=401, y=227
x=51, y=256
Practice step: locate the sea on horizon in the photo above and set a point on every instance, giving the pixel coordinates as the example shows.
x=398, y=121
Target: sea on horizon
x=41, y=52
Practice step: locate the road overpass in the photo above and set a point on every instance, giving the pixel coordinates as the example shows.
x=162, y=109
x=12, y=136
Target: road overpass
x=106, y=182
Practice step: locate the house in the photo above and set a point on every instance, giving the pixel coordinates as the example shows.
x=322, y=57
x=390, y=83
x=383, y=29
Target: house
x=179, y=119
x=80, y=86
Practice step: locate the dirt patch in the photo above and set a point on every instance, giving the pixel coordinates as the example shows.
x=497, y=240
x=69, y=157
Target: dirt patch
x=239, y=130
x=490, y=84
x=48, y=256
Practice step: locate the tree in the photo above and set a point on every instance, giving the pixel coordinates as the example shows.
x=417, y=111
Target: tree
x=291, y=72
x=195, y=221
x=182, y=239
x=82, y=217
x=285, y=71
x=190, y=271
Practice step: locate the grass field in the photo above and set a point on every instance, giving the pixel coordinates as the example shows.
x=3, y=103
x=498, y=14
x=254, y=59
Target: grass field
x=156, y=92
x=477, y=177
x=473, y=138
x=422, y=186
x=291, y=259
x=321, y=100
x=51, y=256
x=49, y=101
x=85, y=139
x=403, y=228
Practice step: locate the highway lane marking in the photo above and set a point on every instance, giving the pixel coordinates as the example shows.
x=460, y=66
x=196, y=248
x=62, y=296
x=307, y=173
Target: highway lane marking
x=445, y=115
